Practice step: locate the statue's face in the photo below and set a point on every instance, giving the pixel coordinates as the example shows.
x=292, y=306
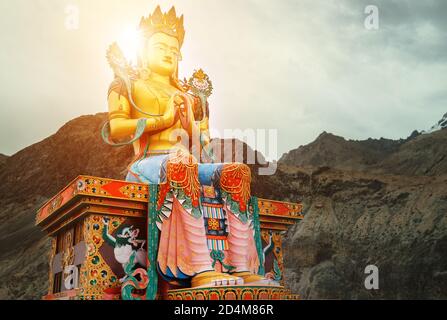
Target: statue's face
x=163, y=54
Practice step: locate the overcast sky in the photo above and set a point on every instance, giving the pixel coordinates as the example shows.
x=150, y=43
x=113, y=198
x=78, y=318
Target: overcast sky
x=301, y=67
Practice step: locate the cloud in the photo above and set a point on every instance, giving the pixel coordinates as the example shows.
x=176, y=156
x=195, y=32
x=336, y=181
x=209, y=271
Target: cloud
x=301, y=67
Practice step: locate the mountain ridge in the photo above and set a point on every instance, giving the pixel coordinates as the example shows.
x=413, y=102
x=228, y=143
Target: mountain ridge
x=419, y=154
x=353, y=213
x=441, y=124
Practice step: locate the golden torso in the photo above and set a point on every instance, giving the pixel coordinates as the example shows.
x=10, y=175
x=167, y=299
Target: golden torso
x=152, y=97
x=152, y=94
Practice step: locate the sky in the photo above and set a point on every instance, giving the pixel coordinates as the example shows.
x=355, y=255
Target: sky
x=299, y=67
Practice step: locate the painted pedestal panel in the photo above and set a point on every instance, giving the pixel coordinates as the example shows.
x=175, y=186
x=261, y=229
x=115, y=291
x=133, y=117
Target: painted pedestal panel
x=90, y=220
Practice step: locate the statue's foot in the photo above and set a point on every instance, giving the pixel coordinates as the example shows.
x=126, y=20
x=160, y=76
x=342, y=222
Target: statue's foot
x=215, y=279
x=255, y=279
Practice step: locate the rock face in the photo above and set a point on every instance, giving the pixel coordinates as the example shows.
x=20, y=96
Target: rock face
x=441, y=124
x=355, y=219
x=3, y=159
x=425, y=155
x=29, y=178
x=378, y=202
x=335, y=151
x=32, y=176
x=419, y=154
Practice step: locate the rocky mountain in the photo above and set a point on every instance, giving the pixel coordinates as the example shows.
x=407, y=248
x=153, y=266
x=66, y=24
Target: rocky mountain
x=29, y=178
x=419, y=154
x=424, y=155
x=3, y=159
x=334, y=151
x=33, y=175
x=441, y=124
x=354, y=219
x=379, y=202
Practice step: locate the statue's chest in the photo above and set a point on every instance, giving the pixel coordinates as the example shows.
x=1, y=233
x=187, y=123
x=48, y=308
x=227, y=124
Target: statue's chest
x=151, y=97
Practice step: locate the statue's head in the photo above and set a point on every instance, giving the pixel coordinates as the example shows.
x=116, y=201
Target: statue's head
x=162, y=35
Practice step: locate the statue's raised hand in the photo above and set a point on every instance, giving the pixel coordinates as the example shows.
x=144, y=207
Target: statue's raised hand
x=182, y=107
x=170, y=114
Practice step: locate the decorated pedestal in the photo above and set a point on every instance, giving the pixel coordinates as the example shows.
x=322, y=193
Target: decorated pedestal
x=88, y=222
x=244, y=292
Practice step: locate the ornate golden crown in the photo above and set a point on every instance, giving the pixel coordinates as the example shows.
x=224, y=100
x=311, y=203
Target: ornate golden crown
x=167, y=23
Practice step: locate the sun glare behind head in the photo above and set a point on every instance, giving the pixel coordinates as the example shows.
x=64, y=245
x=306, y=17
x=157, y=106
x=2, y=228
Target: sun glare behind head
x=129, y=41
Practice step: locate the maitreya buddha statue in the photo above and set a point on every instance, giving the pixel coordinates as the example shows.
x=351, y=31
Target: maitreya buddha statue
x=206, y=232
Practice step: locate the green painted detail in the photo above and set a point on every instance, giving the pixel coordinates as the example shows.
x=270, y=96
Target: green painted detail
x=219, y=255
x=130, y=282
x=188, y=203
x=105, y=133
x=196, y=212
x=277, y=271
x=179, y=193
x=169, y=194
x=258, y=241
x=95, y=260
x=208, y=151
x=152, y=243
x=243, y=216
x=105, y=236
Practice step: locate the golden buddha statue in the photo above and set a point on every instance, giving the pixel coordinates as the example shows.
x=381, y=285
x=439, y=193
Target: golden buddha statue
x=206, y=234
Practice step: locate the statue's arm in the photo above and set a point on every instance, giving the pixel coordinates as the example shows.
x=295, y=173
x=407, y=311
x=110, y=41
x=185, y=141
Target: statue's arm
x=204, y=128
x=121, y=123
x=206, y=138
x=204, y=124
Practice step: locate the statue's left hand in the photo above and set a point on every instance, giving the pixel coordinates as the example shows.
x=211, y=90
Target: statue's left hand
x=179, y=104
x=170, y=114
x=183, y=105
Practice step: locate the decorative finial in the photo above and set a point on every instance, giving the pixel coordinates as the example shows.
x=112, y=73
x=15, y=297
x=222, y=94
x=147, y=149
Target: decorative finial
x=200, y=84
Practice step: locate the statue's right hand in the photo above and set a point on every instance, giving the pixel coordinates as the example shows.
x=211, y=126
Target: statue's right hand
x=179, y=103
x=171, y=112
x=168, y=119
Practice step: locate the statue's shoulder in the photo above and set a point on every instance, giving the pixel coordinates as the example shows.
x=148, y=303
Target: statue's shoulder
x=119, y=86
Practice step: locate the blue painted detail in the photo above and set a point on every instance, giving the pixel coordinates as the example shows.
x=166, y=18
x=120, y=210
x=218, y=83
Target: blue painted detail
x=182, y=278
x=148, y=170
x=209, y=173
